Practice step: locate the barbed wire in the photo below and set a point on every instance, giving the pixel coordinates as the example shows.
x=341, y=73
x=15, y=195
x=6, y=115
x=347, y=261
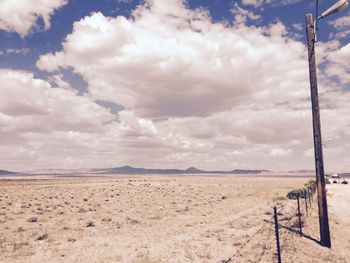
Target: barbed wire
x=289, y=211
x=231, y=259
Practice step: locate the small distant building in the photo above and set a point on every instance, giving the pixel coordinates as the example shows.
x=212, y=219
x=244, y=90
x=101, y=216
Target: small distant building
x=335, y=176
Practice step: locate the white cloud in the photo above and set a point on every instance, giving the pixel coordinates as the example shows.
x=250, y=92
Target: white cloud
x=260, y=3
x=21, y=16
x=338, y=65
x=41, y=126
x=195, y=92
x=32, y=105
x=341, y=22
x=255, y=3
x=172, y=62
x=241, y=15
x=198, y=86
x=22, y=51
x=280, y=152
x=340, y=35
x=298, y=26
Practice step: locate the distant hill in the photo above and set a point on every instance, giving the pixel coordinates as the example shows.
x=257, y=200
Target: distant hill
x=3, y=172
x=302, y=171
x=192, y=170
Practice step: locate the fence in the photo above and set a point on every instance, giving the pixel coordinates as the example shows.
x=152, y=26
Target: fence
x=290, y=217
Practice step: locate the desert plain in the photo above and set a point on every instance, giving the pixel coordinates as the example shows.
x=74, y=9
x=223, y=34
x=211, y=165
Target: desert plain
x=160, y=218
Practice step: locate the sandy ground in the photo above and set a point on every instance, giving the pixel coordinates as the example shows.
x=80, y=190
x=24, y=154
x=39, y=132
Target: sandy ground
x=163, y=219
x=339, y=210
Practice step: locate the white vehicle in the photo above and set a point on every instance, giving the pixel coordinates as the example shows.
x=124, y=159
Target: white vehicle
x=335, y=176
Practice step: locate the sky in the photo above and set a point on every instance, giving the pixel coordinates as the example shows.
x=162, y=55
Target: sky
x=170, y=84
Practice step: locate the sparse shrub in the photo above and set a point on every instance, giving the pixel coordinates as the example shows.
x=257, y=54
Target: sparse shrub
x=71, y=240
x=90, y=224
x=17, y=246
x=81, y=210
x=32, y=219
x=303, y=192
x=42, y=237
x=20, y=229
x=133, y=221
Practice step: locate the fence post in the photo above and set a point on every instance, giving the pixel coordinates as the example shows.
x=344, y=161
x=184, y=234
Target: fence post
x=312, y=195
x=299, y=216
x=307, y=210
x=309, y=191
x=277, y=235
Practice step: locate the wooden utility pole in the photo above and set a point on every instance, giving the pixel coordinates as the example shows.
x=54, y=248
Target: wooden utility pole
x=320, y=180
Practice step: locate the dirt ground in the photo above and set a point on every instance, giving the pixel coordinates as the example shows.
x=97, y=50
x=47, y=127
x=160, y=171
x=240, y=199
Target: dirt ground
x=163, y=219
x=339, y=210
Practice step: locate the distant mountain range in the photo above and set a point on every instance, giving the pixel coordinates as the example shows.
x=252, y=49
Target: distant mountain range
x=301, y=171
x=129, y=170
x=3, y=172
x=192, y=170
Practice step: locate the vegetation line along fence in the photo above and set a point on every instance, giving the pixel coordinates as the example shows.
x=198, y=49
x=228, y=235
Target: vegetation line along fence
x=306, y=193
x=286, y=216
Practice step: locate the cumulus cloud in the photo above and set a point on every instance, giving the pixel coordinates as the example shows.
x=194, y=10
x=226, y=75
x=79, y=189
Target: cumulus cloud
x=338, y=65
x=193, y=93
x=195, y=83
x=21, y=16
x=41, y=126
x=169, y=61
x=30, y=104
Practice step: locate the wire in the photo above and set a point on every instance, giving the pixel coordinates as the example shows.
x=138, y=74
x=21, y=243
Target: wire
x=231, y=259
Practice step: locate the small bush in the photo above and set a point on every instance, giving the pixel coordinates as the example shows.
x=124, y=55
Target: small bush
x=90, y=224
x=303, y=192
x=20, y=229
x=33, y=219
x=42, y=237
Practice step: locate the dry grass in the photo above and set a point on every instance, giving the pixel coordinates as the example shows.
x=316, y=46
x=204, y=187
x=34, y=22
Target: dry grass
x=141, y=219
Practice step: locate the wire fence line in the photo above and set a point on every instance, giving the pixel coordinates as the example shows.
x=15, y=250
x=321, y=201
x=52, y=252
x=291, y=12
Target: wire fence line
x=291, y=221
x=294, y=213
